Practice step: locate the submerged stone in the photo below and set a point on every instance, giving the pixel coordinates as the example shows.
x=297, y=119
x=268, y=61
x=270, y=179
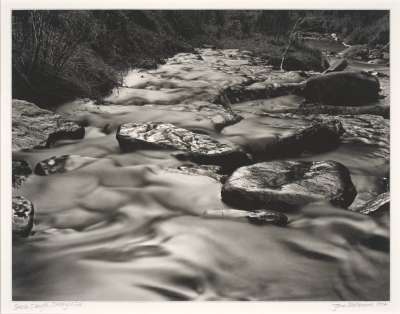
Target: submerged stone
x=199, y=148
x=257, y=217
x=342, y=88
x=33, y=127
x=262, y=217
x=61, y=164
x=377, y=206
x=319, y=137
x=22, y=216
x=20, y=172
x=289, y=184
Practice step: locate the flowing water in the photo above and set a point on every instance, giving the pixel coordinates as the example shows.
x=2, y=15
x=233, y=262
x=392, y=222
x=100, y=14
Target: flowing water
x=125, y=227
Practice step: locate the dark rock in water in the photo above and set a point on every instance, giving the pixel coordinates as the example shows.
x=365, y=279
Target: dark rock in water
x=257, y=217
x=319, y=137
x=61, y=164
x=288, y=184
x=236, y=94
x=211, y=171
x=378, y=110
x=198, y=148
x=262, y=217
x=342, y=88
x=301, y=61
x=33, y=127
x=377, y=206
x=337, y=66
x=359, y=52
x=22, y=216
x=20, y=172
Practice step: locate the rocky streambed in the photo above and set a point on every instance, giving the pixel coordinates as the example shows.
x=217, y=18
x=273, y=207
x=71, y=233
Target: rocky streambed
x=213, y=177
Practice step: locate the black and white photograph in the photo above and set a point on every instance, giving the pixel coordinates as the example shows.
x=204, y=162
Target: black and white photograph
x=199, y=155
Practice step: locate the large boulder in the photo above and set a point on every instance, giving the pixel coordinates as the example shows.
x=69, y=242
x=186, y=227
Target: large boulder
x=22, y=216
x=282, y=185
x=33, y=127
x=319, y=137
x=342, y=88
x=199, y=148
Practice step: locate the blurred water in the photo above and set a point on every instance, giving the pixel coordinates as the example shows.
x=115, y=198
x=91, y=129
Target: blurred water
x=123, y=227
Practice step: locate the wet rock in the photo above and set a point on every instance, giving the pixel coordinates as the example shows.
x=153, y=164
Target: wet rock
x=33, y=127
x=302, y=61
x=307, y=109
x=199, y=148
x=337, y=66
x=377, y=206
x=211, y=171
x=239, y=93
x=257, y=217
x=262, y=217
x=359, y=52
x=288, y=184
x=20, y=172
x=342, y=88
x=22, y=216
x=319, y=137
x=221, y=121
x=377, y=61
x=61, y=164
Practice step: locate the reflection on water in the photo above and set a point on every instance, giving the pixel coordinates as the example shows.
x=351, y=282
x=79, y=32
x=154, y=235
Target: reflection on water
x=123, y=227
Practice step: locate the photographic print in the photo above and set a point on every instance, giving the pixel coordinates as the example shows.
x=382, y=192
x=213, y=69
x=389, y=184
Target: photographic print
x=200, y=155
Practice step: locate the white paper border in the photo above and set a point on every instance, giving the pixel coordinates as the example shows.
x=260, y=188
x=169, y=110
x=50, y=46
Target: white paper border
x=8, y=306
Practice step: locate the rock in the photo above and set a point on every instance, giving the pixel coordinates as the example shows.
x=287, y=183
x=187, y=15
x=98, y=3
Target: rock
x=211, y=171
x=20, y=172
x=377, y=61
x=342, y=88
x=262, y=217
x=33, y=127
x=337, y=66
x=359, y=52
x=22, y=216
x=288, y=184
x=257, y=217
x=199, y=148
x=239, y=93
x=221, y=121
x=377, y=206
x=307, y=109
x=61, y=164
x=319, y=137
x=301, y=60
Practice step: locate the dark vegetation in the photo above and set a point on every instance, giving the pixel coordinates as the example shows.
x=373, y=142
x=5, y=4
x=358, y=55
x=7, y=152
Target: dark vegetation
x=62, y=55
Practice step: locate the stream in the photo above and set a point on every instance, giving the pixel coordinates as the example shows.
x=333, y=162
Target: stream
x=124, y=226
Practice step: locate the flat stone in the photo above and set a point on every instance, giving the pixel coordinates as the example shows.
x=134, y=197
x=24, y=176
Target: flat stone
x=20, y=172
x=33, y=127
x=22, y=216
x=61, y=164
x=288, y=184
x=199, y=148
x=377, y=206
